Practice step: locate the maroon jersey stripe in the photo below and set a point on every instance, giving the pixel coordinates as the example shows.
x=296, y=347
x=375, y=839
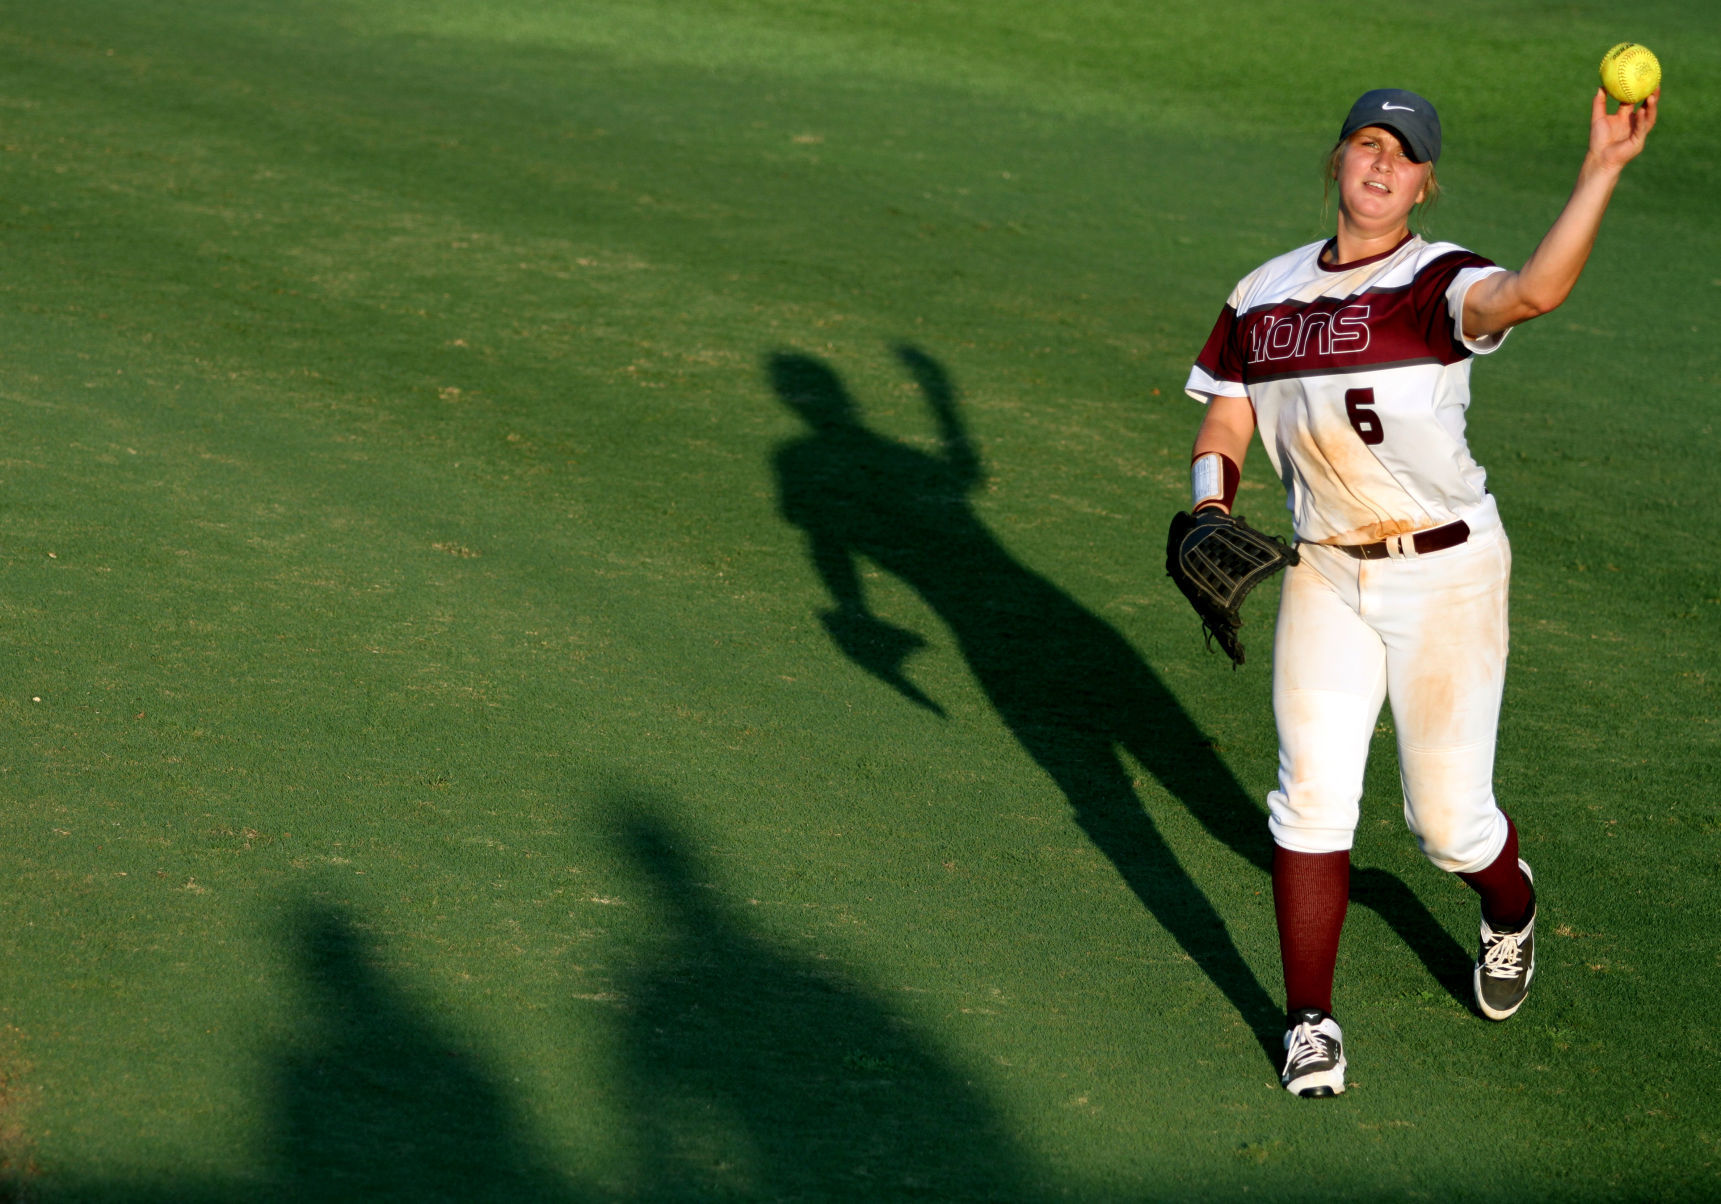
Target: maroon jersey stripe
x=1219, y=357
x=1428, y=298
x=1376, y=328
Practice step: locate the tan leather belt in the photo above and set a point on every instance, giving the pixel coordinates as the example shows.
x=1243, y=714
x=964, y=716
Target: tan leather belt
x=1431, y=540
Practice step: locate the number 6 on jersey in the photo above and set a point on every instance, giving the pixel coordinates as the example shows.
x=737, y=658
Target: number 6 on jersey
x=1364, y=421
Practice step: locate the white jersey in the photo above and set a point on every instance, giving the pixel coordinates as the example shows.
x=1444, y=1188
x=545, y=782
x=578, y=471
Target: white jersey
x=1360, y=377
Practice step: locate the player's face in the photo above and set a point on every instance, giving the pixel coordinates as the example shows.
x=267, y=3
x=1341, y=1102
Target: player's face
x=1378, y=182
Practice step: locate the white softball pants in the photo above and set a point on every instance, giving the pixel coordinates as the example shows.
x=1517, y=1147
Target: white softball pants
x=1428, y=632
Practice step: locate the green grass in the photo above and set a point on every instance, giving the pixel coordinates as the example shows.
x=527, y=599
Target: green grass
x=430, y=773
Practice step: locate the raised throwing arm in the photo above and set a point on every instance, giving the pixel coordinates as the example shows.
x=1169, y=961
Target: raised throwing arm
x=1544, y=282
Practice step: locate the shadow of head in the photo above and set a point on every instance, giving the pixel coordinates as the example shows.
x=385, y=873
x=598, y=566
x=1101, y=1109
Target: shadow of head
x=811, y=389
x=650, y=844
x=331, y=955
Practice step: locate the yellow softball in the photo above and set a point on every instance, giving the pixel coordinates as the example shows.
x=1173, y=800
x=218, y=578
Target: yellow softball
x=1630, y=72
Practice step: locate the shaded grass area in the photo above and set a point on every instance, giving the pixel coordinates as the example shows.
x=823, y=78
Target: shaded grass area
x=427, y=423
x=374, y=1097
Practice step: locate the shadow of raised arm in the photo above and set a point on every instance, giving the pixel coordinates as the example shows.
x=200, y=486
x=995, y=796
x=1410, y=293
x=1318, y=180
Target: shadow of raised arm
x=934, y=382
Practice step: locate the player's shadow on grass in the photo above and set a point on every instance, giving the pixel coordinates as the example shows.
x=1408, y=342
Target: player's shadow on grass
x=1072, y=690
x=749, y=1071
x=370, y=1098
x=377, y=1100
x=737, y=1069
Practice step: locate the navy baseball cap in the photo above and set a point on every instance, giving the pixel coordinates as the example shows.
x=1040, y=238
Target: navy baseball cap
x=1406, y=114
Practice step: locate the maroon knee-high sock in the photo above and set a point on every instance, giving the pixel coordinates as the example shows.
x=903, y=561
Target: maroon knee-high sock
x=1310, y=894
x=1506, y=893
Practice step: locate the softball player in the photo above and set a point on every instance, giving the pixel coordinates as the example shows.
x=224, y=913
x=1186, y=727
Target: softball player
x=1352, y=357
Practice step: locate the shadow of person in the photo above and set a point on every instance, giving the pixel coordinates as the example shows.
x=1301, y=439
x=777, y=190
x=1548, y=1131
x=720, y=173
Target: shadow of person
x=750, y=1072
x=1069, y=687
x=374, y=1103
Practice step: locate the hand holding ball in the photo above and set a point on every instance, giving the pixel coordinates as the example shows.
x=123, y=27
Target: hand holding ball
x=1630, y=73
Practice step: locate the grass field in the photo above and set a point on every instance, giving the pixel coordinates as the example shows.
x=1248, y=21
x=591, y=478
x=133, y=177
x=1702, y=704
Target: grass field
x=437, y=438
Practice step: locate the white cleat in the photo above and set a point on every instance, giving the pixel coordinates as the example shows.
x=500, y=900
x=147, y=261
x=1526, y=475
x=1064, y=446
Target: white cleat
x=1505, y=964
x=1314, y=1055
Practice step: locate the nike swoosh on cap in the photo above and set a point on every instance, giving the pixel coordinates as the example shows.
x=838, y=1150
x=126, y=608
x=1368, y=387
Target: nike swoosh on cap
x=1387, y=104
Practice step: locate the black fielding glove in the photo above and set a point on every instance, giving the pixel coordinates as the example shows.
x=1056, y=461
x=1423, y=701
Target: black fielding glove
x=1216, y=559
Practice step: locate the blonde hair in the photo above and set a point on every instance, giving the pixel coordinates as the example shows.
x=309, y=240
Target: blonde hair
x=1418, y=212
